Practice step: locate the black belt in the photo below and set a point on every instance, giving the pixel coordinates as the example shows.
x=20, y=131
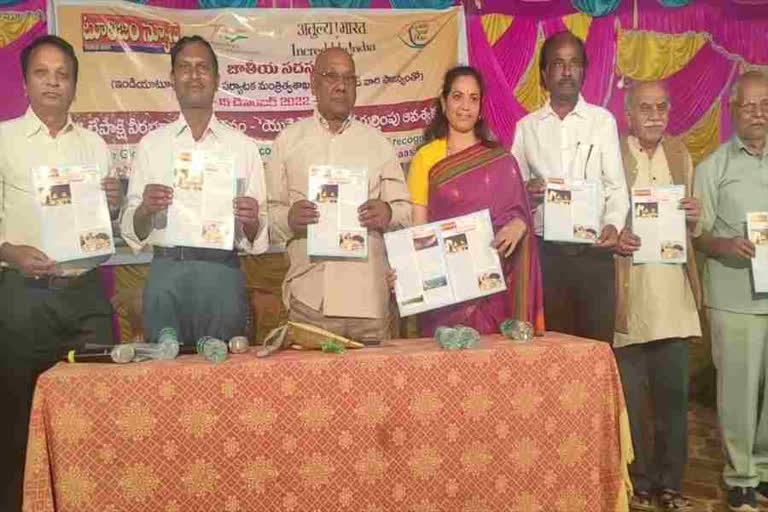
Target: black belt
x=181, y=253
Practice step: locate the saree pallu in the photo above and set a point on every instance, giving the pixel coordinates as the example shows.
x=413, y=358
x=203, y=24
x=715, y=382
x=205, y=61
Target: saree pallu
x=474, y=179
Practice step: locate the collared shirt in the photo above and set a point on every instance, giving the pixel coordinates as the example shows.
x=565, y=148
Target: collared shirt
x=584, y=145
x=730, y=183
x=337, y=288
x=26, y=143
x=154, y=163
x=661, y=303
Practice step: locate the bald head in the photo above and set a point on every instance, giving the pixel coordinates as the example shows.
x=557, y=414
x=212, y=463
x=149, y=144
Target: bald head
x=639, y=89
x=749, y=107
x=334, y=85
x=333, y=54
x=647, y=109
x=747, y=80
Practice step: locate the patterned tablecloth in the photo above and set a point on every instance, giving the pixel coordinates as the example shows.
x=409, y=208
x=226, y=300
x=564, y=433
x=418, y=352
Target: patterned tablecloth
x=537, y=427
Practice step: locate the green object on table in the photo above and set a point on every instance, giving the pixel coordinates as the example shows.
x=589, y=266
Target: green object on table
x=457, y=338
x=212, y=349
x=332, y=347
x=168, y=334
x=516, y=330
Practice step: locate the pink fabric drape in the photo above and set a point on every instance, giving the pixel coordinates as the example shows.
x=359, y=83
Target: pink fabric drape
x=601, y=49
x=726, y=128
x=514, y=49
x=11, y=82
x=744, y=36
x=697, y=86
x=500, y=108
x=709, y=70
x=552, y=26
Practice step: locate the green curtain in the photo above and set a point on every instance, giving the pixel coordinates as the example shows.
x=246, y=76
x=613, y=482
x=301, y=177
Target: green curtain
x=596, y=8
x=221, y=4
x=675, y=3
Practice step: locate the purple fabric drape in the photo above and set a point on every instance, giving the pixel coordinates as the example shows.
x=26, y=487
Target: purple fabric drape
x=501, y=109
x=11, y=82
x=601, y=48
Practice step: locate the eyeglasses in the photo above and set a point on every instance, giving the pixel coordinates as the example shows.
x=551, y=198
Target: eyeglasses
x=647, y=108
x=753, y=106
x=332, y=77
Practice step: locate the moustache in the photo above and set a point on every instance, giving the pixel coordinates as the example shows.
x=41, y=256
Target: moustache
x=567, y=81
x=653, y=125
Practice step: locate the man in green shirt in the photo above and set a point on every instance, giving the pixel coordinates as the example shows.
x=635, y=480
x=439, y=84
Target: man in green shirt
x=730, y=183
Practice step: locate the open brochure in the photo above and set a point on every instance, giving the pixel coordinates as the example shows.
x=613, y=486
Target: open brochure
x=444, y=263
x=757, y=227
x=202, y=213
x=572, y=211
x=74, y=215
x=660, y=223
x=338, y=192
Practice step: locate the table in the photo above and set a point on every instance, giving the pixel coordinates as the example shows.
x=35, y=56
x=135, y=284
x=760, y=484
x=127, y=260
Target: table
x=405, y=426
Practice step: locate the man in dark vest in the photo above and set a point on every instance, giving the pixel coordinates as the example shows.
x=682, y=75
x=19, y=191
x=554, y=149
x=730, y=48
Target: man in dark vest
x=656, y=307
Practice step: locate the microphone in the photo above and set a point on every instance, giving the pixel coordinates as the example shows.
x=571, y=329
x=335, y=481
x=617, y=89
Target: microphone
x=164, y=351
x=122, y=353
x=142, y=351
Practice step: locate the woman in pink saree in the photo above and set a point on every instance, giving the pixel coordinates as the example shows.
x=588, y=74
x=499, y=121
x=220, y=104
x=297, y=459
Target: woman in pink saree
x=461, y=170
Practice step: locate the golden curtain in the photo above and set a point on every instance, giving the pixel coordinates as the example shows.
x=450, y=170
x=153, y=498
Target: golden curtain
x=13, y=25
x=495, y=25
x=653, y=56
x=704, y=137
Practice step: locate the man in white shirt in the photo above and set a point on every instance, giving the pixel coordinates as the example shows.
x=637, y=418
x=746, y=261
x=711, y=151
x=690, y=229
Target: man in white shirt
x=197, y=291
x=46, y=307
x=569, y=138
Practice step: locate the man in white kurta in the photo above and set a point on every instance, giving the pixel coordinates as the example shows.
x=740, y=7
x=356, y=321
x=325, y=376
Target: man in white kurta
x=656, y=308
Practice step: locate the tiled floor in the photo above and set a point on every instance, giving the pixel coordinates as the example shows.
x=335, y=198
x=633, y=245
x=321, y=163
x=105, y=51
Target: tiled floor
x=703, y=480
x=703, y=477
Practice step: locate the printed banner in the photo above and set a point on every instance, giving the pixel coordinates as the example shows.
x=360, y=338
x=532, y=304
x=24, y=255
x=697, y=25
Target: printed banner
x=265, y=60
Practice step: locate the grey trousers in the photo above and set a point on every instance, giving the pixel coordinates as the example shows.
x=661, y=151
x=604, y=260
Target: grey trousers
x=197, y=298
x=740, y=355
x=37, y=326
x=659, y=368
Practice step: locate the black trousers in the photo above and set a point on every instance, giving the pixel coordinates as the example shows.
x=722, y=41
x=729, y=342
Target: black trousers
x=657, y=370
x=579, y=290
x=37, y=325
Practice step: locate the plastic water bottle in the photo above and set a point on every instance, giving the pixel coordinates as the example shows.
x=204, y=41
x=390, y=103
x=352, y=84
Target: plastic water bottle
x=212, y=349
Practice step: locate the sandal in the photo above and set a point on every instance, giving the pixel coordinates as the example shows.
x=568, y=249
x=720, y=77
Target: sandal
x=642, y=502
x=672, y=500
